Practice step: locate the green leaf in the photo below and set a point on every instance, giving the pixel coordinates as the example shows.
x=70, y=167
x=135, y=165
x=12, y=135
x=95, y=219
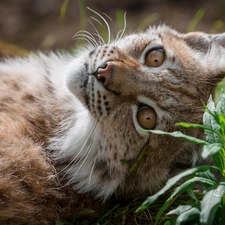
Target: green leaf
x=193, y=125
x=211, y=149
x=191, y=193
x=178, y=134
x=207, y=174
x=211, y=105
x=168, y=223
x=62, y=222
x=180, y=209
x=210, y=122
x=210, y=203
x=180, y=189
x=82, y=212
x=222, y=124
x=173, y=181
x=220, y=107
x=171, y=222
x=190, y=125
x=163, y=209
x=188, y=213
x=218, y=160
x=184, y=186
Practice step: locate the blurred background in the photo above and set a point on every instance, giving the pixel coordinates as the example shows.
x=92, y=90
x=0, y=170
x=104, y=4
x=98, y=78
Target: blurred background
x=50, y=24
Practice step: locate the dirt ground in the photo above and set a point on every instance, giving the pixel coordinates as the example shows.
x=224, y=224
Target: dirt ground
x=38, y=24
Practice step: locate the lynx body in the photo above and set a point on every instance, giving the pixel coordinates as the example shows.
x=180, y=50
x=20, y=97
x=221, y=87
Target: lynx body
x=72, y=125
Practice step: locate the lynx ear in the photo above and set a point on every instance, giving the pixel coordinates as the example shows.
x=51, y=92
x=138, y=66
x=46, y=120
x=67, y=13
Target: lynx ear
x=198, y=41
x=204, y=42
x=218, y=39
x=212, y=52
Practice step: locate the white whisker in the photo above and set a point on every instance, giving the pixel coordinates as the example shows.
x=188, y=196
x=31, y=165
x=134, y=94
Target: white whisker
x=118, y=36
x=101, y=41
x=87, y=35
x=84, y=39
x=96, y=20
x=73, y=161
x=121, y=32
x=125, y=25
x=106, y=23
x=92, y=169
x=107, y=16
x=88, y=150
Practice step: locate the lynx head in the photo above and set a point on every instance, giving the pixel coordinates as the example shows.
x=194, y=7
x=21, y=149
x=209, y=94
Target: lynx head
x=148, y=80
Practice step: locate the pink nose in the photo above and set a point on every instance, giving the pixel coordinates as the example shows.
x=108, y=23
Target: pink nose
x=105, y=74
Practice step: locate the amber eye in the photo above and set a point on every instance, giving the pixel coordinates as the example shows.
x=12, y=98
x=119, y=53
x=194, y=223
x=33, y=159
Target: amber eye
x=146, y=117
x=155, y=57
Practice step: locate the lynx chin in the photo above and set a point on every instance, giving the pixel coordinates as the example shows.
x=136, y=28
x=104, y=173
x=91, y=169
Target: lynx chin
x=71, y=125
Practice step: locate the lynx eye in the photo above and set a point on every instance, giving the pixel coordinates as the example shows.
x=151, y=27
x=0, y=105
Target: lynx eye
x=155, y=57
x=146, y=117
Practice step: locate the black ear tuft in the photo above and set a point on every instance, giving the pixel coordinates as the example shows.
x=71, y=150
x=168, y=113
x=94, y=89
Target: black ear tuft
x=198, y=41
x=213, y=58
x=218, y=39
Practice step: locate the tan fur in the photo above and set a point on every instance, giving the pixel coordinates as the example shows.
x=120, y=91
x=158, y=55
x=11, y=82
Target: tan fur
x=30, y=191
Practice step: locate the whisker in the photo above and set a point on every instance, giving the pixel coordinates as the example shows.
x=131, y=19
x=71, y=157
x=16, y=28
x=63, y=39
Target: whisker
x=101, y=41
x=107, y=16
x=96, y=20
x=73, y=161
x=118, y=36
x=125, y=25
x=92, y=169
x=106, y=23
x=88, y=150
x=88, y=35
x=84, y=39
x=121, y=32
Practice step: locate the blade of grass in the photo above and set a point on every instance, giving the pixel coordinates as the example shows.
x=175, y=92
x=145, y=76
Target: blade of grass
x=179, y=135
x=105, y=215
x=147, y=21
x=63, y=10
x=195, y=20
x=191, y=125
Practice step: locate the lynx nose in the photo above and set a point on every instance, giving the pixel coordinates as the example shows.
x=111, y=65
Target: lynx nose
x=105, y=74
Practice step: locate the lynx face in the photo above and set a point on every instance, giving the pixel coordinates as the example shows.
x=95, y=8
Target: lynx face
x=149, y=80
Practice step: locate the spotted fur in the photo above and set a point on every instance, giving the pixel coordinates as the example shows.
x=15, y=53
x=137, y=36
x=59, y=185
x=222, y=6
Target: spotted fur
x=64, y=133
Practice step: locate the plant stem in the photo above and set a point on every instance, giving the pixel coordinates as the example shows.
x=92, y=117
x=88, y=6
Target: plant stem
x=137, y=162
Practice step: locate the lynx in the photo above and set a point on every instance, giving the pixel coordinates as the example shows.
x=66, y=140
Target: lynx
x=72, y=125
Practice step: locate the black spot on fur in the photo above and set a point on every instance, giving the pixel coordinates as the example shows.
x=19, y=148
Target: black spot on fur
x=92, y=52
x=7, y=100
x=29, y=98
x=100, y=165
